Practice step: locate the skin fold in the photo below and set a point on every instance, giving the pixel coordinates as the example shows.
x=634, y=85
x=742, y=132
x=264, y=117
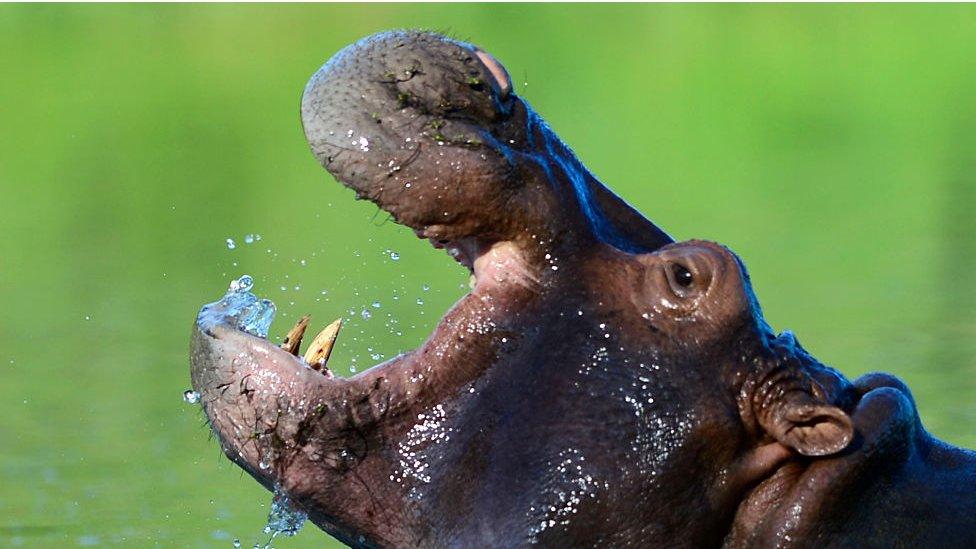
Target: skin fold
x=601, y=384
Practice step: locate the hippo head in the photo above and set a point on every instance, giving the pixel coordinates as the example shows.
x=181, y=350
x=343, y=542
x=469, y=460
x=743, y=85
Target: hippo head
x=599, y=384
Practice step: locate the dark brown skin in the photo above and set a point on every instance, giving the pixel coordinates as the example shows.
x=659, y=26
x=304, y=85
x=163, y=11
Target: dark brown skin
x=599, y=385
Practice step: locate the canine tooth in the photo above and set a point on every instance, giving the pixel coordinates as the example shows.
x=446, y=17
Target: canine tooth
x=293, y=341
x=319, y=350
x=472, y=282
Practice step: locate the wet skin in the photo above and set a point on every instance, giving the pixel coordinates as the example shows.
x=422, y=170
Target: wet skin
x=600, y=384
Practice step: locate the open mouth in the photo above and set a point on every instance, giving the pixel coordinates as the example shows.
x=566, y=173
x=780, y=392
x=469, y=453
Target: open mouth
x=406, y=120
x=275, y=405
x=242, y=311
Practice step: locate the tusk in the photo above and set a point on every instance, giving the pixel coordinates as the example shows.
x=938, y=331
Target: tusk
x=319, y=350
x=293, y=341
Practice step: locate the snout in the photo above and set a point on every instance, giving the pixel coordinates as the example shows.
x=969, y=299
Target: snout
x=419, y=124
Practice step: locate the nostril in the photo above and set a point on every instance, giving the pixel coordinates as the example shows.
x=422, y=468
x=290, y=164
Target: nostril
x=502, y=81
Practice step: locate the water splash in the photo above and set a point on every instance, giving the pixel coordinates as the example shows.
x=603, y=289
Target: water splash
x=191, y=397
x=251, y=314
x=230, y=244
x=285, y=517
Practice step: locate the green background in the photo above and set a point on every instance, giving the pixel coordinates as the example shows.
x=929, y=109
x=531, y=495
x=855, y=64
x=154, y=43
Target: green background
x=833, y=147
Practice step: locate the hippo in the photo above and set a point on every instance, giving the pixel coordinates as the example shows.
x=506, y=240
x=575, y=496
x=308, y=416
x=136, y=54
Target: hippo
x=601, y=384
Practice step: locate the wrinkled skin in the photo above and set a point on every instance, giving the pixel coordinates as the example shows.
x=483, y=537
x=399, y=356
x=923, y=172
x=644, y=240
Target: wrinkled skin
x=599, y=385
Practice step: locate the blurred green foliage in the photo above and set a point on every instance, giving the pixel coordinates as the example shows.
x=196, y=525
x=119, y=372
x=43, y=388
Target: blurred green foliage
x=834, y=147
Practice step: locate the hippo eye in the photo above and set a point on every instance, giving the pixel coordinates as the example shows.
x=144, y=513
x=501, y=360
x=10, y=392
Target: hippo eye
x=682, y=276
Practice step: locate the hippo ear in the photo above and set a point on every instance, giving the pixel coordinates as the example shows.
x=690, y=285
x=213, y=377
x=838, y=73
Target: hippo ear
x=803, y=422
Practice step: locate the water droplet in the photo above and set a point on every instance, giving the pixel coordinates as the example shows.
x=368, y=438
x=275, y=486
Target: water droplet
x=425, y=287
x=237, y=543
x=230, y=244
x=366, y=314
x=242, y=284
x=394, y=256
x=420, y=301
x=249, y=239
x=376, y=305
x=191, y=397
x=87, y=317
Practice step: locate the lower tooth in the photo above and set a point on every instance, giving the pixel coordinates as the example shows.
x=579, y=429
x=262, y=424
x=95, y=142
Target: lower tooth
x=472, y=282
x=319, y=350
x=293, y=341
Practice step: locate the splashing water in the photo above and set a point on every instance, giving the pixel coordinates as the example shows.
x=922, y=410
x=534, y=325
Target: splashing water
x=230, y=244
x=252, y=315
x=191, y=397
x=284, y=518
